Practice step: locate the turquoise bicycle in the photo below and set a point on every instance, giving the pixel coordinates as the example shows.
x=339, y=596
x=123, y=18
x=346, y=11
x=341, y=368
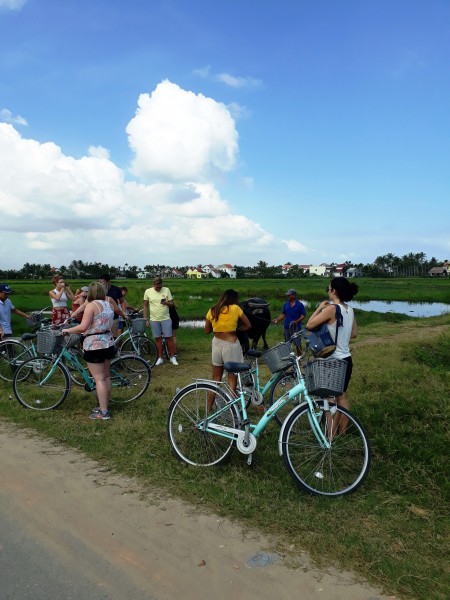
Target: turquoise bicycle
x=44, y=382
x=324, y=447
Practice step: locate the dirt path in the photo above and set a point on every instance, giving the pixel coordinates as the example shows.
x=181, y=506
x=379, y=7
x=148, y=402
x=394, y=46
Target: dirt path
x=102, y=532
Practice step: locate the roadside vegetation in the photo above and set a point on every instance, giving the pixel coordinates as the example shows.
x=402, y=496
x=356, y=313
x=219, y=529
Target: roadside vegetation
x=394, y=530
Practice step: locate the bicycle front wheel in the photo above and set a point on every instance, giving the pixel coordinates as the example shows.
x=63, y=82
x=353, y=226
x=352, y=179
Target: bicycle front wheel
x=187, y=414
x=334, y=471
x=40, y=384
x=12, y=354
x=130, y=377
x=283, y=384
x=142, y=346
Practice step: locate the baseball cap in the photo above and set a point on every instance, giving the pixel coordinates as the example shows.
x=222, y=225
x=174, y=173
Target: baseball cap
x=85, y=288
x=4, y=287
x=291, y=291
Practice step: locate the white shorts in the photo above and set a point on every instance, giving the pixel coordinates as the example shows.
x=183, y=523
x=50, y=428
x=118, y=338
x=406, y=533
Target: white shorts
x=223, y=351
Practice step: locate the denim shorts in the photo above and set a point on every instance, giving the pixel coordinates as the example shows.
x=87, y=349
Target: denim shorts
x=161, y=328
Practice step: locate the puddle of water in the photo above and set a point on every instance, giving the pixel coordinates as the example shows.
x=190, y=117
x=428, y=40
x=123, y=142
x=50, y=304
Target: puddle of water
x=413, y=309
x=262, y=559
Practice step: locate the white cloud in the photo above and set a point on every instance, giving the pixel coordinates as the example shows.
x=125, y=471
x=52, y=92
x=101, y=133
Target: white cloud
x=238, y=111
x=6, y=116
x=238, y=82
x=56, y=208
x=234, y=81
x=12, y=4
x=177, y=135
x=295, y=246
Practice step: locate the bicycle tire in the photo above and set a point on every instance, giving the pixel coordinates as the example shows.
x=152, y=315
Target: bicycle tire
x=142, y=346
x=74, y=373
x=188, y=442
x=285, y=381
x=130, y=378
x=40, y=384
x=336, y=471
x=11, y=352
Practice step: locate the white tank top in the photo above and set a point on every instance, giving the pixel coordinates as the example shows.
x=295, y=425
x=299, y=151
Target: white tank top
x=344, y=334
x=62, y=302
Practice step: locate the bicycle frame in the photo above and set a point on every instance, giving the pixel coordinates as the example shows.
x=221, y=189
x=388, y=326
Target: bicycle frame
x=255, y=429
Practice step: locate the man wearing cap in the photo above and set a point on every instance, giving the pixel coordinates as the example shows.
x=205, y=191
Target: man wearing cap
x=293, y=314
x=6, y=308
x=157, y=301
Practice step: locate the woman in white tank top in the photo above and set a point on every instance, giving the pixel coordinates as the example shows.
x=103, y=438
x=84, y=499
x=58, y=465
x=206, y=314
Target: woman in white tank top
x=59, y=297
x=340, y=291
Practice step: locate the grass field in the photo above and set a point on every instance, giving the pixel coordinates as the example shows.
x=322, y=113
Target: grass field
x=394, y=530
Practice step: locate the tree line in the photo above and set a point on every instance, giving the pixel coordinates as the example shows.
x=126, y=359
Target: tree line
x=387, y=265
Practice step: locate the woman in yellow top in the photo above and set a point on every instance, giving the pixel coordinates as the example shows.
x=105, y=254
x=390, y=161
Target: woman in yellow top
x=222, y=319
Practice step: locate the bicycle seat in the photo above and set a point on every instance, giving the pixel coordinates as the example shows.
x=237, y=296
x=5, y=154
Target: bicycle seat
x=253, y=353
x=235, y=367
x=28, y=336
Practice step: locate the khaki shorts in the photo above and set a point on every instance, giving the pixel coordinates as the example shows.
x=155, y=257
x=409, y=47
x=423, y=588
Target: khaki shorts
x=223, y=351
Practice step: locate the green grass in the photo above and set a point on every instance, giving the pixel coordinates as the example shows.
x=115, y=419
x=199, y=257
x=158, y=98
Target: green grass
x=394, y=530
x=194, y=297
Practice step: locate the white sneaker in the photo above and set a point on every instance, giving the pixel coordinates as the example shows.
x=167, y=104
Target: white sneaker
x=159, y=362
x=173, y=360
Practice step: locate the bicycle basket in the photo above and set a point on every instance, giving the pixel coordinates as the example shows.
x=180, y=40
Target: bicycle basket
x=274, y=357
x=72, y=340
x=35, y=318
x=48, y=341
x=325, y=377
x=138, y=326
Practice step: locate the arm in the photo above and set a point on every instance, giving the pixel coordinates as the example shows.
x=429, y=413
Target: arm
x=88, y=317
x=354, y=329
x=69, y=292
x=245, y=323
x=324, y=313
x=208, y=327
x=117, y=310
x=79, y=310
x=279, y=318
x=16, y=311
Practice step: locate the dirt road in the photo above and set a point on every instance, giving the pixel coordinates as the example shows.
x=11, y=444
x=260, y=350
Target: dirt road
x=69, y=529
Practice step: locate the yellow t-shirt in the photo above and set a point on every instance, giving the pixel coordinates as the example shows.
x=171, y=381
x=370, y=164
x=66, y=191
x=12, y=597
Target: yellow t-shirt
x=228, y=318
x=158, y=311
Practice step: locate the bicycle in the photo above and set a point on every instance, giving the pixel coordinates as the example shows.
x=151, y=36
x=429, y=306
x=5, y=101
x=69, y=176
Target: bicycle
x=44, y=382
x=135, y=341
x=206, y=422
x=13, y=352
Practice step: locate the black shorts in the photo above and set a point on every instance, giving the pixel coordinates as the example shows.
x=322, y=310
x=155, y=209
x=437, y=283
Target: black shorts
x=99, y=356
x=348, y=374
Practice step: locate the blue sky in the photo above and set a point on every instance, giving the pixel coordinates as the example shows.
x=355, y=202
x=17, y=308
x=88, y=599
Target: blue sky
x=175, y=132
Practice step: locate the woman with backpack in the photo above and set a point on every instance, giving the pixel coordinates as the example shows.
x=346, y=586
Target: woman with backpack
x=340, y=291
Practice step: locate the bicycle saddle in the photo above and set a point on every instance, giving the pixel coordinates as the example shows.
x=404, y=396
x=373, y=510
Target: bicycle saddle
x=235, y=367
x=253, y=353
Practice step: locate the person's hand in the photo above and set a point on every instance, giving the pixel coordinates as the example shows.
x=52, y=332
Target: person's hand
x=275, y=321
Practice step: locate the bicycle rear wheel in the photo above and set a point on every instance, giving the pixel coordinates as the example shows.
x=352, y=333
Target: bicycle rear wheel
x=142, y=346
x=40, y=384
x=335, y=471
x=130, y=377
x=187, y=414
x=284, y=383
x=12, y=354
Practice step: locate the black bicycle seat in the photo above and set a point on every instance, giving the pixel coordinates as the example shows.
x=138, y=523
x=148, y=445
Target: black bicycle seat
x=235, y=367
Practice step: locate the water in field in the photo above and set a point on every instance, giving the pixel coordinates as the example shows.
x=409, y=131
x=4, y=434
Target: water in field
x=413, y=309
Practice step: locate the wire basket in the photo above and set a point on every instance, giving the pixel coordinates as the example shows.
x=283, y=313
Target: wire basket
x=325, y=377
x=138, y=325
x=35, y=318
x=48, y=341
x=72, y=340
x=274, y=357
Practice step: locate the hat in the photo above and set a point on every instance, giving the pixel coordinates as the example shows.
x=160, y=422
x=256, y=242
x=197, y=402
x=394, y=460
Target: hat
x=290, y=292
x=85, y=288
x=4, y=287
